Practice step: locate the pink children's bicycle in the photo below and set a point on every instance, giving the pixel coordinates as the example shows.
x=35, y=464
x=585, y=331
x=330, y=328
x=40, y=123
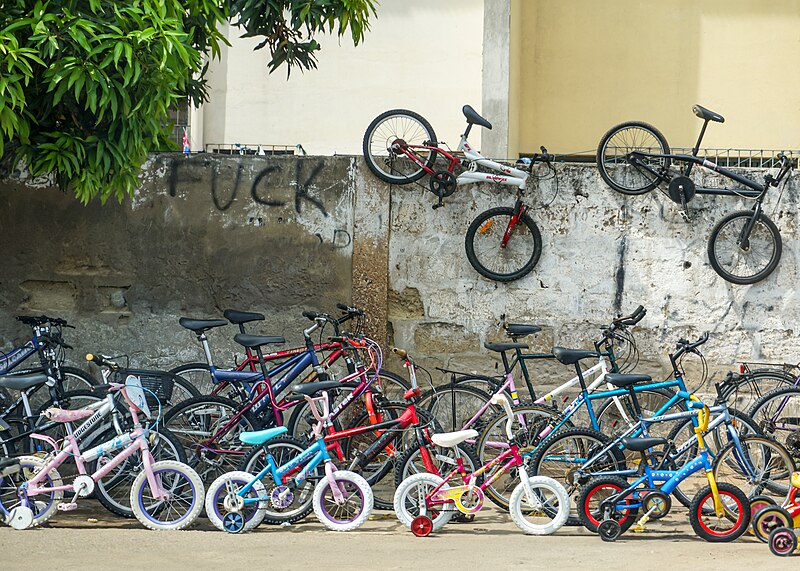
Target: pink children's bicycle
x=164, y=495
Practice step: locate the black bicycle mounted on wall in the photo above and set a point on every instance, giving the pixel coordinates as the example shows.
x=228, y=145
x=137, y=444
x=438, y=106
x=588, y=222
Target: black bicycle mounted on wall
x=744, y=247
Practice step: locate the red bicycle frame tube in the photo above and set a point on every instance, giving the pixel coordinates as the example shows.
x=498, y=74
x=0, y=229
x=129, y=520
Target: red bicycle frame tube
x=408, y=150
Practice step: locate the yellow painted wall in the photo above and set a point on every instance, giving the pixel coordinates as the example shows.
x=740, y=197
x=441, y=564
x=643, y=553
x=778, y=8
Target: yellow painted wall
x=589, y=64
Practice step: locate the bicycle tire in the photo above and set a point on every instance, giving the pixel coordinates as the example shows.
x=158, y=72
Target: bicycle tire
x=494, y=430
x=184, y=500
x=195, y=420
x=770, y=410
x=453, y=405
x=480, y=258
x=771, y=465
x=631, y=135
x=719, y=259
x=591, y=441
x=282, y=449
x=114, y=489
x=700, y=508
x=589, y=517
x=383, y=131
x=744, y=390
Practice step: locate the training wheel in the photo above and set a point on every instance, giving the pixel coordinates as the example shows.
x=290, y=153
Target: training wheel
x=21, y=517
x=233, y=522
x=609, y=530
x=422, y=526
x=782, y=541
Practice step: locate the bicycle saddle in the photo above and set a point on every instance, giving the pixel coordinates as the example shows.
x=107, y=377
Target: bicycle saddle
x=707, y=114
x=201, y=325
x=521, y=330
x=473, y=117
x=622, y=381
x=572, y=356
x=256, y=437
x=310, y=389
x=239, y=317
x=22, y=382
x=453, y=439
x=642, y=444
x=500, y=347
x=251, y=341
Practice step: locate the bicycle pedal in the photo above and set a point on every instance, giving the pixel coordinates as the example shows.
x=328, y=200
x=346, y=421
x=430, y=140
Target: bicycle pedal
x=67, y=507
x=638, y=528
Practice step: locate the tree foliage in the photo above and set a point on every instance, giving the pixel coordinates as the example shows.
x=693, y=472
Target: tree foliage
x=86, y=86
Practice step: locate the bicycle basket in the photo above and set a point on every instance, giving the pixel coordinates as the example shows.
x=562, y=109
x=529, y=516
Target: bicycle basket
x=159, y=382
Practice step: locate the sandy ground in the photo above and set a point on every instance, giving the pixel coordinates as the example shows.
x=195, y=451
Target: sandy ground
x=91, y=538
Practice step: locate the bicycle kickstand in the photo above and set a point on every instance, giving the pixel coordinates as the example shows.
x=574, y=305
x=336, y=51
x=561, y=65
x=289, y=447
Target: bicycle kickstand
x=685, y=209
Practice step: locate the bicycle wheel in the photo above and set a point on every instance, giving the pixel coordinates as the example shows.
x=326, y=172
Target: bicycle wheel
x=762, y=467
x=711, y=527
x=777, y=414
x=221, y=491
x=409, y=501
x=683, y=436
x=72, y=379
x=567, y=450
x=767, y=519
x=545, y=512
x=529, y=421
x=613, y=151
x=183, y=502
x=114, y=489
x=199, y=376
x=743, y=390
x=393, y=386
x=286, y=504
x=393, y=129
x=615, y=417
x=354, y=507
x=453, y=406
x=740, y=264
x=592, y=496
x=43, y=505
x=208, y=434
x=486, y=252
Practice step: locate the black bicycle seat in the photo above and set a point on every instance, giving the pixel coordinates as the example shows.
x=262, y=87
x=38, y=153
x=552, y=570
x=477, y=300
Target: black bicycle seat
x=572, y=356
x=201, y=325
x=239, y=317
x=521, y=329
x=473, y=117
x=707, y=114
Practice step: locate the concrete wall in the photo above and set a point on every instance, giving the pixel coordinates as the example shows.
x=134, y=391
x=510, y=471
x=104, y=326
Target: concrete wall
x=589, y=65
x=280, y=235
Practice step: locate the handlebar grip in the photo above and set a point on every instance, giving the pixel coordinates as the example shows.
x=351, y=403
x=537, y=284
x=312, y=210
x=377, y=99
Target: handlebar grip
x=312, y=315
x=100, y=361
x=400, y=352
x=696, y=404
x=342, y=307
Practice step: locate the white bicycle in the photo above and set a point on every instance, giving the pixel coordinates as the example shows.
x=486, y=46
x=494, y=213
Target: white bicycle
x=502, y=244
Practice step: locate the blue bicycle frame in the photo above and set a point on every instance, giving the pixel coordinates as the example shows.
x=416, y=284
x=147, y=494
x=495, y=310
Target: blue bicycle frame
x=312, y=457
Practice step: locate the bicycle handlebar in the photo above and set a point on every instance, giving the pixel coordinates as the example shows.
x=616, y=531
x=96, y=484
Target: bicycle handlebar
x=101, y=361
x=632, y=319
x=33, y=320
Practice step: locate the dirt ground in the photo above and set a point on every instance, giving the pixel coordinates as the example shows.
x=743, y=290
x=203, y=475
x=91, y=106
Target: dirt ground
x=91, y=538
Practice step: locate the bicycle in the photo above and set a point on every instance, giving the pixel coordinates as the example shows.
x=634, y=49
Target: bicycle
x=164, y=494
x=400, y=147
x=424, y=502
x=342, y=500
x=745, y=246
x=608, y=504
x=48, y=342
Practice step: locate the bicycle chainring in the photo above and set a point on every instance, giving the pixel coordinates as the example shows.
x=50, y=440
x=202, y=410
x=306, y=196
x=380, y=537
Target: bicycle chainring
x=681, y=190
x=281, y=497
x=442, y=183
